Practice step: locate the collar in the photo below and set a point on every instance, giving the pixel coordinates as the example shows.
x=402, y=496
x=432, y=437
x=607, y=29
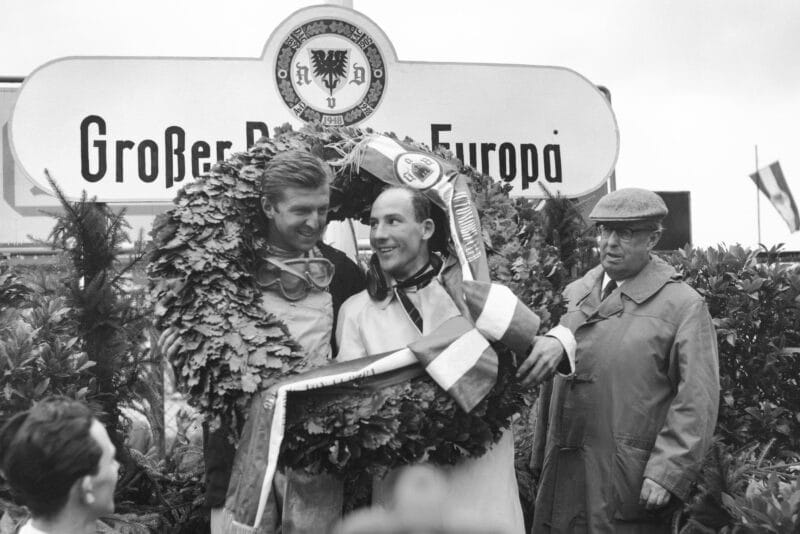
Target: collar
x=420, y=280
x=607, y=280
x=655, y=275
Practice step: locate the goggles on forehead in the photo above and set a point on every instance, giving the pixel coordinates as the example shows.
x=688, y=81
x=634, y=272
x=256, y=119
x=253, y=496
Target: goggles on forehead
x=294, y=278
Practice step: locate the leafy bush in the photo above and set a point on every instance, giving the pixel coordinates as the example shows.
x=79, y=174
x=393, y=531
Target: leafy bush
x=13, y=291
x=40, y=356
x=82, y=331
x=756, y=310
x=742, y=492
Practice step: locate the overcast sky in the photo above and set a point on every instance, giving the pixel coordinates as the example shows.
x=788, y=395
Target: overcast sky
x=695, y=84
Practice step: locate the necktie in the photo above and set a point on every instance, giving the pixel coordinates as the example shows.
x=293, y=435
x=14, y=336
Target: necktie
x=610, y=287
x=421, y=279
x=411, y=310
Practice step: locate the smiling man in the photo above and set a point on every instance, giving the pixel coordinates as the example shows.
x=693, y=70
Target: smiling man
x=621, y=441
x=405, y=300
x=303, y=283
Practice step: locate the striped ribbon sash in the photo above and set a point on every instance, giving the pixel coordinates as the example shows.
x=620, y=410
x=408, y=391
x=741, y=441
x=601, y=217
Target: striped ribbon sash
x=457, y=356
x=394, y=163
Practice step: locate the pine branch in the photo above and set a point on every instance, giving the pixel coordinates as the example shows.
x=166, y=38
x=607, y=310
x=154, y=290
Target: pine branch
x=60, y=195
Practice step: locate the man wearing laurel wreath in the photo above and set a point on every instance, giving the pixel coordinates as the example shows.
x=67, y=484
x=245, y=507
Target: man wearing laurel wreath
x=304, y=283
x=405, y=300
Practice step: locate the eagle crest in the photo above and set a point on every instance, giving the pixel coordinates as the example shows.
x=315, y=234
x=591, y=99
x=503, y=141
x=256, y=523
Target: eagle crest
x=329, y=67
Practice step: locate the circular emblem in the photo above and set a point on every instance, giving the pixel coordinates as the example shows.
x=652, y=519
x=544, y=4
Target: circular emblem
x=417, y=170
x=330, y=71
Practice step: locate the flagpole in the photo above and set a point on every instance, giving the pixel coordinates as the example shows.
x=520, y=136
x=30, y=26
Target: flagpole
x=758, y=198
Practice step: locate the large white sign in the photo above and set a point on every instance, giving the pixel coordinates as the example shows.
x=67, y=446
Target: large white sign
x=136, y=129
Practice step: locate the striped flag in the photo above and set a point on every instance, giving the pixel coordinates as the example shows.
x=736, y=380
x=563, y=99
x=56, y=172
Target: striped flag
x=249, y=500
x=460, y=360
x=455, y=355
x=771, y=182
x=501, y=316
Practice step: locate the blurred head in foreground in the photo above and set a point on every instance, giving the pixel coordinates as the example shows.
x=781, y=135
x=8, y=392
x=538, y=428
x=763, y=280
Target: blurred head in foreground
x=419, y=507
x=59, y=460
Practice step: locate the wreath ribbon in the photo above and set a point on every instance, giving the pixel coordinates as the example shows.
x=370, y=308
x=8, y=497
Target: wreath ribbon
x=457, y=355
x=380, y=155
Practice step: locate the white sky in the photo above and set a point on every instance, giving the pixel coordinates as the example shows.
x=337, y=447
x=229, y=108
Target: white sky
x=695, y=84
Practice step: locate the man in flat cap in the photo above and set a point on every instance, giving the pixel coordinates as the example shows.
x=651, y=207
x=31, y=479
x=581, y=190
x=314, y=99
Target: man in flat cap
x=619, y=442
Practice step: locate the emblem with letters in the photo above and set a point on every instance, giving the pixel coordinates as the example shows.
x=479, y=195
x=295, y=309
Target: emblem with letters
x=330, y=71
x=417, y=170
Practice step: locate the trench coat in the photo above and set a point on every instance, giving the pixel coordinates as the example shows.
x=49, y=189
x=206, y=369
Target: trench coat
x=642, y=402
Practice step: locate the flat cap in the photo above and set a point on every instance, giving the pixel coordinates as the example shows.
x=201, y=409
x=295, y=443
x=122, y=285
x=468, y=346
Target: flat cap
x=629, y=205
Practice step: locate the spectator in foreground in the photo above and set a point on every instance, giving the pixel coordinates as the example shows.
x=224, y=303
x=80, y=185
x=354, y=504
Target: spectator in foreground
x=419, y=506
x=60, y=461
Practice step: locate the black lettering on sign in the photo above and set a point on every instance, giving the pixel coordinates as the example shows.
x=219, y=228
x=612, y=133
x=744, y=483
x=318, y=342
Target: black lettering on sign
x=175, y=141
x=508, y=161
x=222, y=146
x=251, y=127
x=148, y=175
x=200, y=150
x=514, y=161
x=99, y=145
x=97, y=153
x=435, y=129
x=552, y=163
x=529, y=158
x=485, y=149
x=120, y=156
x=473, y=155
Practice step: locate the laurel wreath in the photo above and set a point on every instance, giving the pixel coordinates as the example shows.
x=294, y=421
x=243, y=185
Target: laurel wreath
x=202, y=284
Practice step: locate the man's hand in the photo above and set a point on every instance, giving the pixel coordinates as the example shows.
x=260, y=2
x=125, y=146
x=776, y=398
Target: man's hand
x=542, y=362
x=169, y=342
x=653, y=495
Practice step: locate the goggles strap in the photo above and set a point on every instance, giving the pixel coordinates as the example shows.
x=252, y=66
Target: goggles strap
x=288, y=268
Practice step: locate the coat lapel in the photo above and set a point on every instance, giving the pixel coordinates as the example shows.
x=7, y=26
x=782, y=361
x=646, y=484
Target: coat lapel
x=644, y=285
x=650, y=280
x=588, y=293
x=611, y=306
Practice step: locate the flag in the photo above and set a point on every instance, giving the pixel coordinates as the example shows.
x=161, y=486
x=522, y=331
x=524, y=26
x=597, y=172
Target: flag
x=248, y=501
x=457, y=355
x=460, y=360
x=771, y=182
x=501, y=316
